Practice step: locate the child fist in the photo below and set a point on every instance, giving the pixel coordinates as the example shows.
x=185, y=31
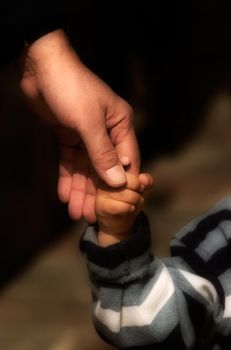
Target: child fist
x=116, y=209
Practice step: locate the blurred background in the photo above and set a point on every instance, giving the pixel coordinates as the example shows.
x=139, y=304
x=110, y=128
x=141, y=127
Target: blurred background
x=172, y=62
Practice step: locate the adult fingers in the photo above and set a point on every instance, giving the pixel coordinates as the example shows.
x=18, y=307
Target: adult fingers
x=67, y=156
x=122, y=134
x=102, y=154
x=89, y=203
x=78, y=185
x=67, y=141
x=128, y=146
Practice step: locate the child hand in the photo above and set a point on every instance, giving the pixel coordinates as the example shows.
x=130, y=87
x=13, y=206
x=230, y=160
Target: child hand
x=116, y=209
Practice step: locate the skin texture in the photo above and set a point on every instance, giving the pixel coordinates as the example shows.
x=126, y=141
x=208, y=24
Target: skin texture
x=94, y=126
x=116, y=209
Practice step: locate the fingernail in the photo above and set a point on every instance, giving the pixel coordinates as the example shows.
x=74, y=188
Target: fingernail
x=116, y=175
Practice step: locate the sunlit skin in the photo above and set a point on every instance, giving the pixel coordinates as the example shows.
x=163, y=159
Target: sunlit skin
x=117, y=209
x=94, y=126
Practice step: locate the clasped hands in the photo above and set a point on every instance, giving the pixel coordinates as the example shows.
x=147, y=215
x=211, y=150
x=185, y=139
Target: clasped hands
x=83, y=110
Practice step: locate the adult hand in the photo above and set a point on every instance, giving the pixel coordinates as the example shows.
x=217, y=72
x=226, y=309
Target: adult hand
x=94, y=125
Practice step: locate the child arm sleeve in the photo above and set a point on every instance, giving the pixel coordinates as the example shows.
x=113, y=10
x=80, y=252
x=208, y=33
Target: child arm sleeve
x=140, y=300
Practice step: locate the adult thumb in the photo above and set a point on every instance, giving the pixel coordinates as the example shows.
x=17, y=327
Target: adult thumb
x=104, y=158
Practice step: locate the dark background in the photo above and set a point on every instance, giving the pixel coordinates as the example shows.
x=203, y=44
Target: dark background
x=168, y=59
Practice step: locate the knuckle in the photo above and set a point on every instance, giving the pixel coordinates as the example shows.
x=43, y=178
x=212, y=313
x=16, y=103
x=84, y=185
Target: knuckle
x=102, y=206
x=128, y=117
x=112, y=208
x=126, y=114
x=135, y=198
x=98, y=206
x=129, y=111
x=127, y=208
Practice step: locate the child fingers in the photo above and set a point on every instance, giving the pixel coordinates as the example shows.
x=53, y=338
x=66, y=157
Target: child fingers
x=133, y=182
x=114, y=207
x=127, y=196
x=146, y=180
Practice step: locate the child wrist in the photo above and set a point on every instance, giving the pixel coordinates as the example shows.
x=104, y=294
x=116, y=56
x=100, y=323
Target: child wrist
x=105, y=239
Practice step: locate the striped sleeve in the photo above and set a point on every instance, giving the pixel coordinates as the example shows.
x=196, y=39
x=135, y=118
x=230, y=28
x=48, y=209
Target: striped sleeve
x=140, y=301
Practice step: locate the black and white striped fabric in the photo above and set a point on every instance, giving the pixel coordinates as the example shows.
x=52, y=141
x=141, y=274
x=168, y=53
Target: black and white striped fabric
x=143, y=302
